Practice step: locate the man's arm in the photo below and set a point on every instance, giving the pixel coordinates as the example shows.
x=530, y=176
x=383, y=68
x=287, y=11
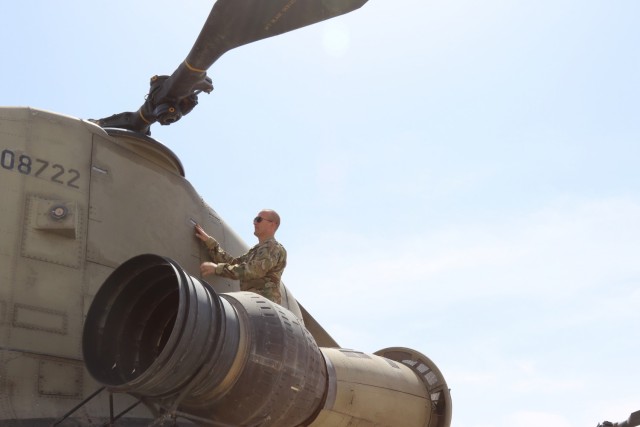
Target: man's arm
x=258, y=263
x=216, y=253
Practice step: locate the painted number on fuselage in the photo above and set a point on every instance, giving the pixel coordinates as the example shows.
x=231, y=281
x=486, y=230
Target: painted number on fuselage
x=39, y=168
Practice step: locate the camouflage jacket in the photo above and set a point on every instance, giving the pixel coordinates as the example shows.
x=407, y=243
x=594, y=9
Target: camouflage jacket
x=259, y=270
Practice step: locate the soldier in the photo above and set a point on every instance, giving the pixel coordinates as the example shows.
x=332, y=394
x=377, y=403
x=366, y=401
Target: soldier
x=260, y=269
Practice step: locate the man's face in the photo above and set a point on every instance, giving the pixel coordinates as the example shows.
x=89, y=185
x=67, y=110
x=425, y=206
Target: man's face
x=263, y=224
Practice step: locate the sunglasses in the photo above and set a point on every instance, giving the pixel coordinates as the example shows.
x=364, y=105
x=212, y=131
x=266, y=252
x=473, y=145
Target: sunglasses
x=259, y=219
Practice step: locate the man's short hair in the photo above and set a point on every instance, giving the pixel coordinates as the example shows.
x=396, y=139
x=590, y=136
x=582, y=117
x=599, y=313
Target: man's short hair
x=273, y=216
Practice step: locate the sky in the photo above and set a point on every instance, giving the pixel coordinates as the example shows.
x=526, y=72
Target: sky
x=459, y=177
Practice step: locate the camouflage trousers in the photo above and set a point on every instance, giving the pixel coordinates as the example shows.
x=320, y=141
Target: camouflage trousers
x=269, y=290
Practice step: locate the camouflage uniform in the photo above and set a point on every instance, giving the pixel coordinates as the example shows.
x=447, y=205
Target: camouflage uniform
x=259, y=270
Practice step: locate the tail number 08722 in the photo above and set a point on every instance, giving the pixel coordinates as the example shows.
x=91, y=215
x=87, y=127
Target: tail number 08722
x=27, y=165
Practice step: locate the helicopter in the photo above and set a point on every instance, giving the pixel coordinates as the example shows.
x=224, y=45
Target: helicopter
x=97, y=332
x=632, y=421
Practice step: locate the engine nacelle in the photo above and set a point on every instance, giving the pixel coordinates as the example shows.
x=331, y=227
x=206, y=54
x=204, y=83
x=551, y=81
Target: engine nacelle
x=393, y=387
x=157, y=333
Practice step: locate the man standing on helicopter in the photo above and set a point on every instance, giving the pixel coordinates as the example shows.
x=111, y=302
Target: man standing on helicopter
x=260, y=269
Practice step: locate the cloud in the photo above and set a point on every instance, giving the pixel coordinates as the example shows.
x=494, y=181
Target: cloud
x=546, y=385
x=521, y=307
x=474, y=377
x=537, y=419
x=556, y=251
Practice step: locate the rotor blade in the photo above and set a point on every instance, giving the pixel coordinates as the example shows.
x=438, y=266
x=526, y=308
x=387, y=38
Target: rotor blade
x=233, y=23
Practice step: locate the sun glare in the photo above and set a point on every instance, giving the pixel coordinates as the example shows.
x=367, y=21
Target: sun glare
x=336, y=39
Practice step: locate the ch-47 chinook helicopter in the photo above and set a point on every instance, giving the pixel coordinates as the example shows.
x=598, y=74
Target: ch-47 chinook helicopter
x=96, y=332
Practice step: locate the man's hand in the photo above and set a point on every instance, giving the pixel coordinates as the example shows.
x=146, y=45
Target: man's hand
x=201, y=234
x=207, y=268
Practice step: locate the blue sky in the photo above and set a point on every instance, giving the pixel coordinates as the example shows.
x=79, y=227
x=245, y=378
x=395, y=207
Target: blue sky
x=459, y=177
